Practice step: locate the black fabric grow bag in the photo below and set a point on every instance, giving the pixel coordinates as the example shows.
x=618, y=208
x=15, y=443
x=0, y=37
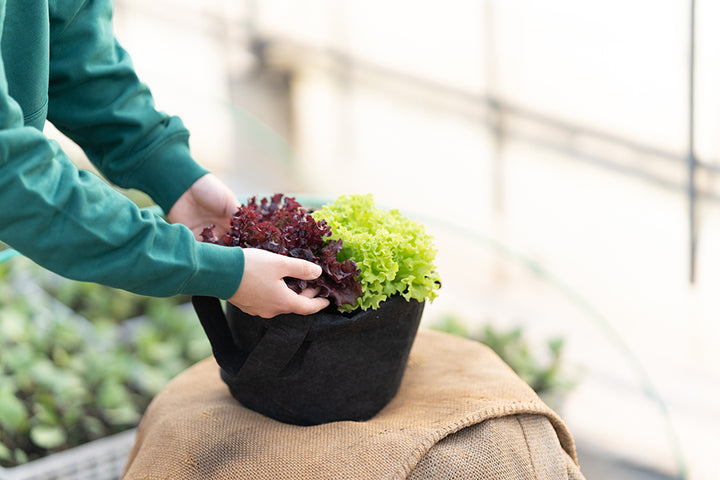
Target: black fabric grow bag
x=312, y=369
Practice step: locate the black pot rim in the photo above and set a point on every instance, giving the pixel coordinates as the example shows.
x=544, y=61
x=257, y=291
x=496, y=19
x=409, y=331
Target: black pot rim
x=327, y=320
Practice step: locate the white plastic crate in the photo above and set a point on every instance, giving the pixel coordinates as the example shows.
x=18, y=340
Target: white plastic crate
x=102, y=459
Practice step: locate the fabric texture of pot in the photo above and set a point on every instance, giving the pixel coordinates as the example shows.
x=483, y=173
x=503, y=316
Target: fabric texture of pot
x=312, y=369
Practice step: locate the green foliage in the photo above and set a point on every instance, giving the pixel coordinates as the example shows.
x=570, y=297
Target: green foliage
x=66, y=379
x=98, y=302
x=395, y=254
x=541, y=366
x=453, y=325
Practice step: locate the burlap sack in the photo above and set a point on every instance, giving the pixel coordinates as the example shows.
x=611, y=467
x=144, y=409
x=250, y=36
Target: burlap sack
x=460, y=413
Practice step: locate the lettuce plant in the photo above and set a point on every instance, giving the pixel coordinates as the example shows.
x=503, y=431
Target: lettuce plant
x=394, y=254
x=280, y=225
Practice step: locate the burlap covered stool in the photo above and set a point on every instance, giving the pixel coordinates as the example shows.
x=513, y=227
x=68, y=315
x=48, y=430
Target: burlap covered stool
x=461, y=413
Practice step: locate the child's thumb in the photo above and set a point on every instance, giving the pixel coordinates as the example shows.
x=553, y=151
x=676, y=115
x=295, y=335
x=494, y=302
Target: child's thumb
x=302, y=269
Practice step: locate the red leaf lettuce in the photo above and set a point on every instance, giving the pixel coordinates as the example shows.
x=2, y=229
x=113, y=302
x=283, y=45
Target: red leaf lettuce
x=284, y=227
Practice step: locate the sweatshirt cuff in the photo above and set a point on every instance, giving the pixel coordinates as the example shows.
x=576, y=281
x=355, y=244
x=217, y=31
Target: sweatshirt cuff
x=168, y=172
x=220, y=271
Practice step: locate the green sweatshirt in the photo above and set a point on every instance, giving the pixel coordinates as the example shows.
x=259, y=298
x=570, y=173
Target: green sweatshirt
x=60, y=61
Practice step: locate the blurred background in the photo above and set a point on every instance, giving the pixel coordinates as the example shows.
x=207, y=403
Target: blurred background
x=565, y=156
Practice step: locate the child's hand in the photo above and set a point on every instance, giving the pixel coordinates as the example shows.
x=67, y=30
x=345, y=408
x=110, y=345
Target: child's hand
x=263, y=291
x=207, y=202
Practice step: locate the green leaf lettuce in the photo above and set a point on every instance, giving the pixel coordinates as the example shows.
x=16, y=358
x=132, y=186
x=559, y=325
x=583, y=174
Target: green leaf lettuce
x=395, y=254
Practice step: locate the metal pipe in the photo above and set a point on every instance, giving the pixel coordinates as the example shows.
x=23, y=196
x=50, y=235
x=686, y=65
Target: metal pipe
x=691, y=160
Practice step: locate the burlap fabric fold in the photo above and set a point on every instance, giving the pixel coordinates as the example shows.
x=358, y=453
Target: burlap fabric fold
x=460, y=413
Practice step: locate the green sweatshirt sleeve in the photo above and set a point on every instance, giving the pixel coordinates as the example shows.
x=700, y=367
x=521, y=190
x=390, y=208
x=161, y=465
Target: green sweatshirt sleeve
x=73, y=223
x=97, y=100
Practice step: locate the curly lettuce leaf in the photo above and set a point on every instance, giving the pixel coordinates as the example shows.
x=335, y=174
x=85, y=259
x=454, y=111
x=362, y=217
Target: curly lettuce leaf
x=394, y=254
x=280, y=225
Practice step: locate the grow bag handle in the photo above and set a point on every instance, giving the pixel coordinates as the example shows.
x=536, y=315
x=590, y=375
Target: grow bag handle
x=269, y=357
